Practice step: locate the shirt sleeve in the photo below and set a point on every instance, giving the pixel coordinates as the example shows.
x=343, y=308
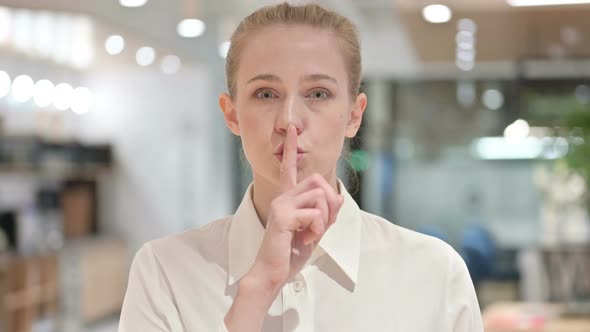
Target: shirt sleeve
x=148, y=306
x=462, y=305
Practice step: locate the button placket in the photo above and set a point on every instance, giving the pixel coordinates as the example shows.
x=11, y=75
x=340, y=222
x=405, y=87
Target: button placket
x=298, y=284
x=296, y=297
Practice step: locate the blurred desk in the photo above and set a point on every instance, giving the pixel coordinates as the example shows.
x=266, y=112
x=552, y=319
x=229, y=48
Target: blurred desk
x=531, y=317
x=94, y=277
x=568, y=271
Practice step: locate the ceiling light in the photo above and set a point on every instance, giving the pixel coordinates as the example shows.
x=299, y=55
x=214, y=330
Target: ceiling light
x=466, y=24
x=63, y=96
x=43, y=35
x=467, y=56
x=132, y=3
x=114, y=44
x=465, y=37
x=498, y=148
x=22, y=30
x=437, y=13
x=22, y=88
x=517, y=131
x=43, y=93
x=493, y=99
x=466, y=93
x=5, y=24
x=82, y=48
x=145, y=56
x=170, y=64
x=190, y=28
x=465, y=65
x=62, y=38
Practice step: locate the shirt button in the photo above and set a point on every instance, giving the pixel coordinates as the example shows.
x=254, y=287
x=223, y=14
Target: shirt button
x=298, y=284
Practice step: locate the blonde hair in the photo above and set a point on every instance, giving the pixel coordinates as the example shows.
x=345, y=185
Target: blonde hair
x=309, y=14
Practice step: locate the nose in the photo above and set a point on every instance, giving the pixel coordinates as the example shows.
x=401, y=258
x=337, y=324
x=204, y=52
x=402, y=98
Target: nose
x=291, y=112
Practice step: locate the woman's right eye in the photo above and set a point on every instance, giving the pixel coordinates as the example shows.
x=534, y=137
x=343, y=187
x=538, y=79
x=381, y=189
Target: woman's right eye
x=265, y=94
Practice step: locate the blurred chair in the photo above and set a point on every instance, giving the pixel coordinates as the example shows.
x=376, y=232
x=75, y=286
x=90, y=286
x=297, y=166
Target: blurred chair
x=481, y=255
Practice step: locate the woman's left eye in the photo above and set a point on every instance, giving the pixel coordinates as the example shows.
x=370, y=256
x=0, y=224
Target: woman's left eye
x=319, y=94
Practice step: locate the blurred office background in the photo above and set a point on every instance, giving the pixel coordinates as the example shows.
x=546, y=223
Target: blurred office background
x=477, y=132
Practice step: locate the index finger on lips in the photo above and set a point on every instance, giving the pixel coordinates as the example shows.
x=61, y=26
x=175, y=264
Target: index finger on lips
x=288, y=170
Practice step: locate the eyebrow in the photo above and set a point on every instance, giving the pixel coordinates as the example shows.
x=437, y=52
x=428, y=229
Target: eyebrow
x=275, y=78
x=264, y=77
x=320, y=77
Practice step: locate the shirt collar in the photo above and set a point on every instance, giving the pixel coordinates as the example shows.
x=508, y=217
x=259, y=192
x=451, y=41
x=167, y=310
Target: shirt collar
x=341, y=242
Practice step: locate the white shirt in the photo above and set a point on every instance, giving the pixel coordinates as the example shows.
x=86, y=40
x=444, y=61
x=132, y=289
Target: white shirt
x=366, y=274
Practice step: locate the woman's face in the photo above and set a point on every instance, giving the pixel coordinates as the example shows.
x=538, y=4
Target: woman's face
x=293, y=75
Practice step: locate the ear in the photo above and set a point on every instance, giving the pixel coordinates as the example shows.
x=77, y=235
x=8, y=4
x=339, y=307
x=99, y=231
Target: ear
x=356, y=115
x=229, y=113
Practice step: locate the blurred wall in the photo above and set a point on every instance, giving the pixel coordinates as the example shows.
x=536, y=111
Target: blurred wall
x=170, y=166
x=453, y=194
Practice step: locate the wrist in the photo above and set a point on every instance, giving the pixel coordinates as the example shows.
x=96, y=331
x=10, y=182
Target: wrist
x=261, y=285
x=250, y=305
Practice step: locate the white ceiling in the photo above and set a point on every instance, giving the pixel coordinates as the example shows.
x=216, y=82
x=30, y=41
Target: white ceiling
x=389, y=48
x=156, y=23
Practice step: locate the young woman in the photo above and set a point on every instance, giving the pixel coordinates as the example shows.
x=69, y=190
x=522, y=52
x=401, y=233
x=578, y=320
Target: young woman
x=298, y=254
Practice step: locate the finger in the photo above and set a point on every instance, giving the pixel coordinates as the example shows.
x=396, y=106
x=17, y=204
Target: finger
x=316, y=235
x=288, y=170
x=332, y=197
x=314, y=232
x=309, y=223
x=308, y=198
x=311, y=182
x=303, y=218
x=322, y=204
x=332, y=202
x=314, y=198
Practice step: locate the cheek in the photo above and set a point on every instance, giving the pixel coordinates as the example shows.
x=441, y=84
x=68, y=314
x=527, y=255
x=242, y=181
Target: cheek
x=340, y=121
x=249, y=121
x=331, y=133
x=254, y=131
x=256, y=116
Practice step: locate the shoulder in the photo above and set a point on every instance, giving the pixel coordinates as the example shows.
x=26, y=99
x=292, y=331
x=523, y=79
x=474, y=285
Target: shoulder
x=207, y=242
x=425, y=263
x=405, y=244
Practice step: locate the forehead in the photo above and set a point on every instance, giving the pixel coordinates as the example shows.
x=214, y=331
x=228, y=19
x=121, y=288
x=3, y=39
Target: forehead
x=292, y=51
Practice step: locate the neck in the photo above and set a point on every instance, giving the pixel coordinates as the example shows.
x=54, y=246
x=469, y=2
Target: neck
x=264, y=191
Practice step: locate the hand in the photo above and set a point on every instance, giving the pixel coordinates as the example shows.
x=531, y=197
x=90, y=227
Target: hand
x=297, y=220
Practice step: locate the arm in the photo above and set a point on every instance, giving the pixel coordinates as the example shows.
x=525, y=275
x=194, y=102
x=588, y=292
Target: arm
x=250, y=305
x=462, y=304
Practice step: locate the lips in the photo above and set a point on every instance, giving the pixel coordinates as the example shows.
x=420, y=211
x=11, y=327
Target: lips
x=279, y=149
x=300, y=156
x=279, y=153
